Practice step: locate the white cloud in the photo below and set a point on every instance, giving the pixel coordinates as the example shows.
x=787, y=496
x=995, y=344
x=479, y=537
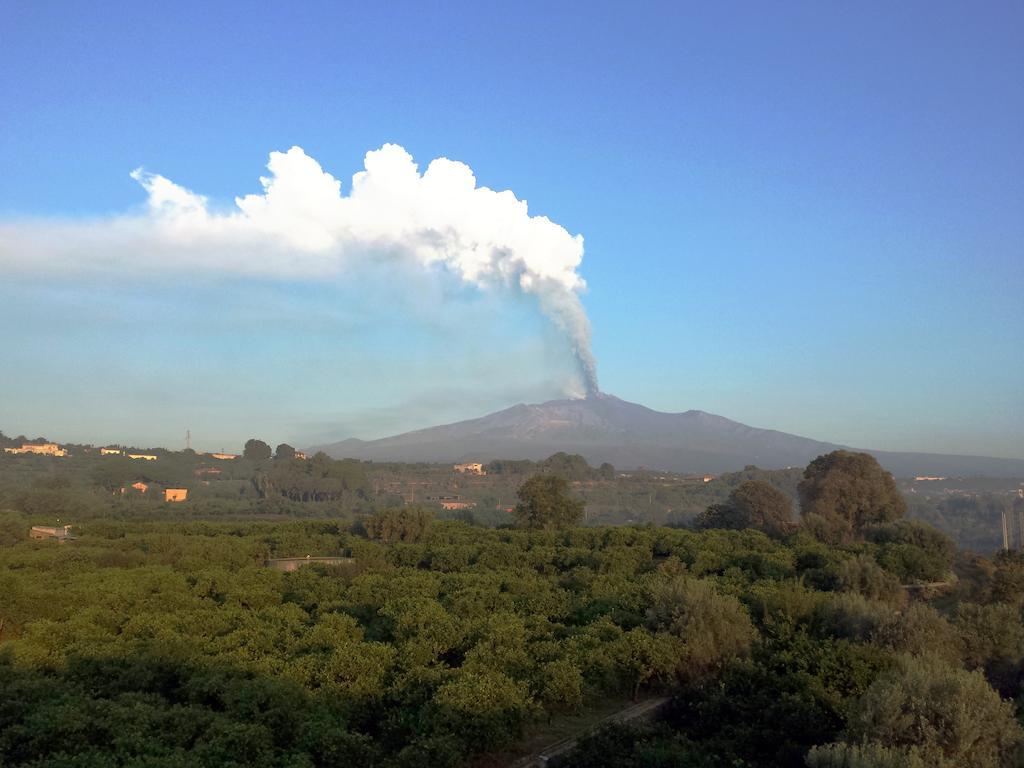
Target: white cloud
x=304, y=227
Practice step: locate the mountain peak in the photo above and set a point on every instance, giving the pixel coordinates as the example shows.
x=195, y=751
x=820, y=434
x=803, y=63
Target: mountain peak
x=603, y=427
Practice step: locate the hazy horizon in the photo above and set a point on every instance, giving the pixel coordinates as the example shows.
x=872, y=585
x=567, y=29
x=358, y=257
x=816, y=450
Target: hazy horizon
x=203, y=443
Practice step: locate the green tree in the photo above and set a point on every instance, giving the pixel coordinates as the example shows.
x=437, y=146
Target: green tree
x=866, y=577
x=754, y=504
x=863, y=756
x=993, y=641
x=920, y=630
x=714, y=628
x=570, y=466
x=256, y=450
x=544, y=504
x=408, y=524
x=284, y=451
x=561, y=686
x=912, y=550
x=947, y=716
x=850, y=615
x=844, y=492
x=647, y=658
x=486, y=709
x=1008, y=579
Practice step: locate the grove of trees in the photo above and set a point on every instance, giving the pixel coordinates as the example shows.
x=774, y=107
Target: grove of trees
x=821, y=642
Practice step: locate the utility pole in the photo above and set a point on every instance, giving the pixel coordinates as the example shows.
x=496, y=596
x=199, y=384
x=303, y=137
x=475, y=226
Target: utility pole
x=1019, y=505
x=188, y=439
x=1006, y=532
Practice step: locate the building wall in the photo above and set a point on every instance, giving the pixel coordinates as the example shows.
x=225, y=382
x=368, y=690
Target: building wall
x=457, y=505
x=175, y=494
x=45, y=449
x=47, y=532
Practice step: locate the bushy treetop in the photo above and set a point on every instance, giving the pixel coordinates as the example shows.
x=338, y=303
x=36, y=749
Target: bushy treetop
x=544, y=503
x=753, y=504
x=847, y=491
x=256, y=450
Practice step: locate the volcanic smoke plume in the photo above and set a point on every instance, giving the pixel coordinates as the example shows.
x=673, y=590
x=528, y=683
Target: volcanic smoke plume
x=303, y=227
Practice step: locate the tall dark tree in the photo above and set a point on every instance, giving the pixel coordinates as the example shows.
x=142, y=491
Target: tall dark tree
x=571, y=466
x=843, y=492
x=284, y=451
x=1008, y=579
x=545, y=503
x=256, y=450
x=753, y=504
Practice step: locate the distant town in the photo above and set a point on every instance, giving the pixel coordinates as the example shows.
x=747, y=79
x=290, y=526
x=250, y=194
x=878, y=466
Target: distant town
x=980, y=513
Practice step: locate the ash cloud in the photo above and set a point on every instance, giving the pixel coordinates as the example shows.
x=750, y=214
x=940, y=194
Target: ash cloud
x=303, y=226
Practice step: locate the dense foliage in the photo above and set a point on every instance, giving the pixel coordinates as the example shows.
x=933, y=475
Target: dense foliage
x=843, y=492
x=860, y=678
x=753, y=504
x=571, y=466
x=545, y=503
x=256, y=450
x=174, y=643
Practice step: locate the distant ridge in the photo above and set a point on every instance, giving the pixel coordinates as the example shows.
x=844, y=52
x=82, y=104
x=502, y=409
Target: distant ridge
x=603, y=428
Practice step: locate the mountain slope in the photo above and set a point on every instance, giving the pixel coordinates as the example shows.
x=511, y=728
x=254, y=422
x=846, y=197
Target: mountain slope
x=604, y=428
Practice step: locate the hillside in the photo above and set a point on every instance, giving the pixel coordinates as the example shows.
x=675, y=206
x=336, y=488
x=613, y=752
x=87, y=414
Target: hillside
x=605, y=428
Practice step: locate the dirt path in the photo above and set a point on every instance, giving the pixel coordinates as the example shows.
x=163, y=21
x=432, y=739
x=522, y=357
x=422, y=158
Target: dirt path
x=547, y=741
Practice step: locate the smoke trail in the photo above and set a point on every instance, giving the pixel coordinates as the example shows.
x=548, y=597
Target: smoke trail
x=565, y=308
x=302, y=226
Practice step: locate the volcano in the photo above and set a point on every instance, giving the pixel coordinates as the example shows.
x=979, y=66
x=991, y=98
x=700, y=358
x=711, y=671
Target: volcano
x=603, y=428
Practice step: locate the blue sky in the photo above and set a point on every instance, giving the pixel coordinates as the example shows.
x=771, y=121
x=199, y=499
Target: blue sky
x=804, y=216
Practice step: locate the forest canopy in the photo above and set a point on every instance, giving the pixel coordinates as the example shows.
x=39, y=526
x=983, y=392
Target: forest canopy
x=391, y=637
